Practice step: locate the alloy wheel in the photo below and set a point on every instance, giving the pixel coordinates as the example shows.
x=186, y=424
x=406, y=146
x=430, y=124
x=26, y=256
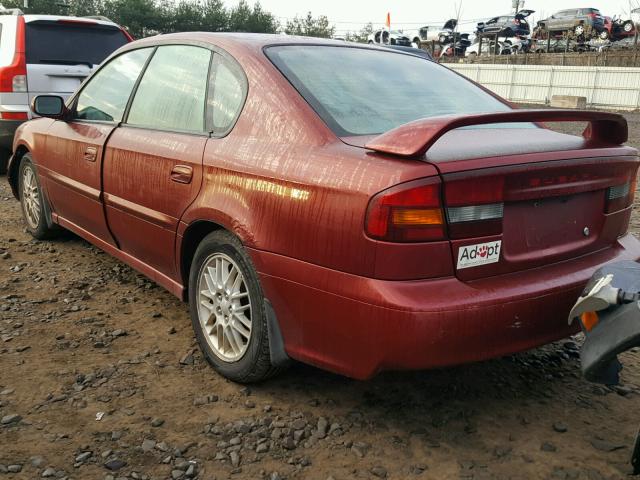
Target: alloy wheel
x=30, y=197
x=224, y=307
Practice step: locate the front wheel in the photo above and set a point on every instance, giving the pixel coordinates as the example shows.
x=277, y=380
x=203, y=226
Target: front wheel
x=627, y=26
x=228, y=310
x=579, y=30
x=32, y=200
x=604, y=35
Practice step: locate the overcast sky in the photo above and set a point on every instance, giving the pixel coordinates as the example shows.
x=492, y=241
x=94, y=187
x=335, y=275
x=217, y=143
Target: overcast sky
x=352, y=14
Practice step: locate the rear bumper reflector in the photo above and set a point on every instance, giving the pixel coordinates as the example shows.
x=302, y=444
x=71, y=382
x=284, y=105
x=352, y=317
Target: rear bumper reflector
x=474, y=213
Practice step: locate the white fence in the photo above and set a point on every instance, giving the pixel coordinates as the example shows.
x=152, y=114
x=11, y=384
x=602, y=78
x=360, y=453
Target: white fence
x=604, y=87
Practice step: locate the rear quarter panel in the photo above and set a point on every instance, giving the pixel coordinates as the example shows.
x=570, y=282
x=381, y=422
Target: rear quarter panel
x=284, y=183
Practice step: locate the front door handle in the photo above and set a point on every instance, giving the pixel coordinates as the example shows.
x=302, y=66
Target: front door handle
x=181, y=174
x=90, y=154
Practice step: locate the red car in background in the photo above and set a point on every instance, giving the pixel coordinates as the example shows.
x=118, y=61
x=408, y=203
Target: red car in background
x=616, y=29
x=322, y=201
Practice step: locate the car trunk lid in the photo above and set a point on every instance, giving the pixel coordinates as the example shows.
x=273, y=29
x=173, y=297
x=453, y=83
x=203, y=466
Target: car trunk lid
x=534, y=212
x=520, y=198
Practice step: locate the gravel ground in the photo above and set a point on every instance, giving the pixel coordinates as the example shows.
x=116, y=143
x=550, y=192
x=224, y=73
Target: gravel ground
x=100, y=378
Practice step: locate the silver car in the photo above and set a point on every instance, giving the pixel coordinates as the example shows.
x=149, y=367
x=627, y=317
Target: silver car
x=45, y=54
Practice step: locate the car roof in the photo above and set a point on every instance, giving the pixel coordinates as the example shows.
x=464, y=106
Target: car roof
x=238, y=43
x=56, y=18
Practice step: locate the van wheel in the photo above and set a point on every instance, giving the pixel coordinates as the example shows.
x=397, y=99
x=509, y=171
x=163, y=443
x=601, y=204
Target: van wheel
x=228, y=310
x=32, y=201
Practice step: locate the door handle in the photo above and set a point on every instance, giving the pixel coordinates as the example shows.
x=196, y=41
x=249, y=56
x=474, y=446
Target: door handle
x=181, y=174
x=90, y=154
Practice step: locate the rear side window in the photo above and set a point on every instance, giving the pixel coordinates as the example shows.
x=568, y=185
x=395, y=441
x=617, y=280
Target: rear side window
x=229, y=89
x=106, y=94
x=70, y=43
x=172, y=92
x=361, y=91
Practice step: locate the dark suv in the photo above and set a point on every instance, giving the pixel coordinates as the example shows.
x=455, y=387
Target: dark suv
x=581, y=21
x=507, y=25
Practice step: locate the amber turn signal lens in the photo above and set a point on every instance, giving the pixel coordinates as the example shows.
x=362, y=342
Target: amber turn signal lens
x=416, y=216
x=589, y=320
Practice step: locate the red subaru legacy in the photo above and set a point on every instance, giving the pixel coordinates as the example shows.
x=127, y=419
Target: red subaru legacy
x=352, y=207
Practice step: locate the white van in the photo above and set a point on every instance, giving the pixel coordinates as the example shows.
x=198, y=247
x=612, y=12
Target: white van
x=46, y=54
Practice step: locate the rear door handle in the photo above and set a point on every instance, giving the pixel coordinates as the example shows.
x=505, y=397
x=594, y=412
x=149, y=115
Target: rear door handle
x=181, y=174
x=90, y=154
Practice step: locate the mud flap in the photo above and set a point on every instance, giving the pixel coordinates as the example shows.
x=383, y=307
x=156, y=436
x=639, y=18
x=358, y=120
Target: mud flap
x=279, y=357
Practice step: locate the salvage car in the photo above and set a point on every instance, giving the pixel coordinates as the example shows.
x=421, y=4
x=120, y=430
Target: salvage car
x=40, y=54
x=348, y=221
x=389, y=37
x=582, y=22
x=617, y=28
x=431, y=34
x=507, y=25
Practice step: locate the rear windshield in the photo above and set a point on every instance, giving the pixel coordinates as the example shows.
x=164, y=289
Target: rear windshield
x=359, y=91
x=71, y=44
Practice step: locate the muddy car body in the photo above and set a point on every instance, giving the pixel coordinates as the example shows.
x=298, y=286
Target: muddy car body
x=360, y=223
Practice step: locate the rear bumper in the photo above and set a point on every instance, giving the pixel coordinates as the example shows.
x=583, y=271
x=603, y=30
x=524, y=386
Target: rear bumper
x=358, y=326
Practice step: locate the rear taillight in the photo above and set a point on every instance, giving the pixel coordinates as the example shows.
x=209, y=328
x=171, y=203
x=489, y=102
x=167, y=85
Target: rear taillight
x=475, y=208
x=126, y=33
x=14, y=116
x=13, y=77
x=620, y=197
x=410, y=212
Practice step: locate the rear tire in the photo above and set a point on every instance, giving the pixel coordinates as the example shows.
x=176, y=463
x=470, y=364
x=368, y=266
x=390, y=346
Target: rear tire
x=604, y=35
x=627, y=26
x=228, y=310
x=34, y=209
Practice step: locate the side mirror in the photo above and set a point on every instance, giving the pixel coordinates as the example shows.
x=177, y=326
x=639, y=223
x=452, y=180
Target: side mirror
x=50, y=106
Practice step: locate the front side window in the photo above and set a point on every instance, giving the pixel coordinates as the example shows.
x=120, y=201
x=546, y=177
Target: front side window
x=228, y=94
x=172, y=92
x=360, y=91
x=106, y=95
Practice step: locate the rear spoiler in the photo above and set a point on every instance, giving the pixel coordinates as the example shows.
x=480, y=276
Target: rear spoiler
x=414, y=139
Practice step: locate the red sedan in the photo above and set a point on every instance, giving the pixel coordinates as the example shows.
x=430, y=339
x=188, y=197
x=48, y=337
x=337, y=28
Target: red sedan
x=352, y=207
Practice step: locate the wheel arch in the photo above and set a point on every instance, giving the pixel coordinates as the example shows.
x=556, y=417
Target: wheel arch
x=191, y=238
x=195, y=232
x=12, y=169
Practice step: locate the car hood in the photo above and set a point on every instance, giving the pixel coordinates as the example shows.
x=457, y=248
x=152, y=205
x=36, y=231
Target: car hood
x=524, y=13
x=450, y=24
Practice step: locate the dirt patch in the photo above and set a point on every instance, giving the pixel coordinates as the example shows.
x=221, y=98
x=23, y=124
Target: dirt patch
x=100, y=378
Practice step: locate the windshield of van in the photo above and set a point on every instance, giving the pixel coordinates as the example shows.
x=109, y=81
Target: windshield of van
x=361, y=91
x=70, y=43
